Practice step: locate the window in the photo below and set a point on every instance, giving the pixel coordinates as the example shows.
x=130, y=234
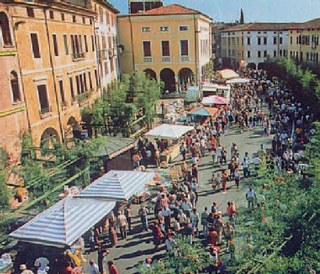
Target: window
x=51, y=14
x=63, y=98
x=90, y=80
x=80, y=44
x=184, y=47
x=97, y=77
x=16, y=96
x=92, y=42
x=65, y=41
x=164, y=28
x=280, y=40
x=62, y=17
x=105, y=65
x=5, y=29
x=85, y=81
x=35, y=45
x=83, y=20
x=274, y=40
x=81, y=83
x=85, y=43
x=78, y=84
x=248, y=54
x=146, y=49
x=259, y=40
x=290, y=40
x=280, y=52
x=265, y=54
x=165, y=48
x=265, y=40
x=274, y=53
x=183, y=28
x=30, y=12
x=259, y=53
x=43, y=98
x=55, y=45
x=248, y=40
x=145, y=29
x=74, y=19
x=71, y=89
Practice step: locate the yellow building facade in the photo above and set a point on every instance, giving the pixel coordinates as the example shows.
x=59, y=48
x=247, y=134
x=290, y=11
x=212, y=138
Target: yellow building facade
x=13, y=116
x=303, y=43
x=170, y=43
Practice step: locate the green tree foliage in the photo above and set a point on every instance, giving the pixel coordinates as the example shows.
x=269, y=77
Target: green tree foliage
x=4, y=191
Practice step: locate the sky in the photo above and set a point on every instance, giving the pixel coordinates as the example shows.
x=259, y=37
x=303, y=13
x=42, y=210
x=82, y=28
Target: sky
x=254, y=10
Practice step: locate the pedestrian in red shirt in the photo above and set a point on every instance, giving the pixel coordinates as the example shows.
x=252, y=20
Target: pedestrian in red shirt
x=157, y=234
x=112, y=268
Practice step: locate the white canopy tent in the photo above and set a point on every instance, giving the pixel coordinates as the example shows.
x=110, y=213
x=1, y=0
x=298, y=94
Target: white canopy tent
x=63, y=223
x=228, y=74
x=118, y=185
x=169, y=131
x=238, y=81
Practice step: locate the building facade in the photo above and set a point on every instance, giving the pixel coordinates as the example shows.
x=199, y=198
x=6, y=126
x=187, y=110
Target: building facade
x=254, y=43
x=106, y=41
x=303, y=45
x=170, y=43
x=13, y=115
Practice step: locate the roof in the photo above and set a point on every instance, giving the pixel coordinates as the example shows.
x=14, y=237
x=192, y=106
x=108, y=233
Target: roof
x=63, y=223
x=203, y=111
x=114, y=146
x=117, y=185
x=108, y=5
x=172, y=9
x=169, y=131
x=312, y=24
x=259, y=27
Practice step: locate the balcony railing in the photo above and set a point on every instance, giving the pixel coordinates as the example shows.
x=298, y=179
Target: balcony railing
x=78, y=56
x=166, y=59
x=185, y=58
x=147, y=59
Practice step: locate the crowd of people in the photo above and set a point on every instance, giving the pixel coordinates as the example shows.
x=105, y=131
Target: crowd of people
x=175, y=207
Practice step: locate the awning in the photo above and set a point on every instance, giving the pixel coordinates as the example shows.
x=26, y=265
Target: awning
x=117, y=185
x=228, y=74
x=238, y=81
x=63, y=223
x=114, y=146
x=203, y=111
x=169, y=131
x=214, y=100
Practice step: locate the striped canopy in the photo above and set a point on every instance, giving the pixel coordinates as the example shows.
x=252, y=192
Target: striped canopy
x=63, y=223
x=118, y=185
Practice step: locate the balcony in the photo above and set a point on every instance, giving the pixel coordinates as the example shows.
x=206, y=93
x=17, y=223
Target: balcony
x=166, y=59
x=184, y=58
x=147, y=59
x=45, y=112
x=78, y=56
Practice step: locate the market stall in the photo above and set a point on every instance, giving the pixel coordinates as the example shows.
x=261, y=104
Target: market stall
x=199, y=115
x=64, y=223
x=216, y=89
x=214, y=100
x=238, y=81
x=118, y=185
x=172, y=133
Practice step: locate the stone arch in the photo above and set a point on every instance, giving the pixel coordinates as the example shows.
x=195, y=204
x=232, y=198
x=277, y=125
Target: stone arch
x=186, y=78
x=5, y=29
x=150, y=73
x=48, y=138
x=252, y=65
x=168, y=77
x=14, y=82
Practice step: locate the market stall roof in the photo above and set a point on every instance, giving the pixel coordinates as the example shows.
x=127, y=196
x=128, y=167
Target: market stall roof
x=214, y=100
x=63, y=223
x=113, y=146
x=228, y=74
x=169, y=131
x=238, y=81
x=203, y=111
x=117, y=185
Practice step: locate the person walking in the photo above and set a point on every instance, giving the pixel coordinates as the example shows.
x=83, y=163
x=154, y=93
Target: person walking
x=127, y=213
x=194, y=218
x=143, y=213
x=101, y=255
x=112, y=268
x=93, y=269
x=237, y=177
x=157, y=234
x=245, y=164
x=204, y=222
x=225, y=177
x=250, y=195
x=122, y=223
